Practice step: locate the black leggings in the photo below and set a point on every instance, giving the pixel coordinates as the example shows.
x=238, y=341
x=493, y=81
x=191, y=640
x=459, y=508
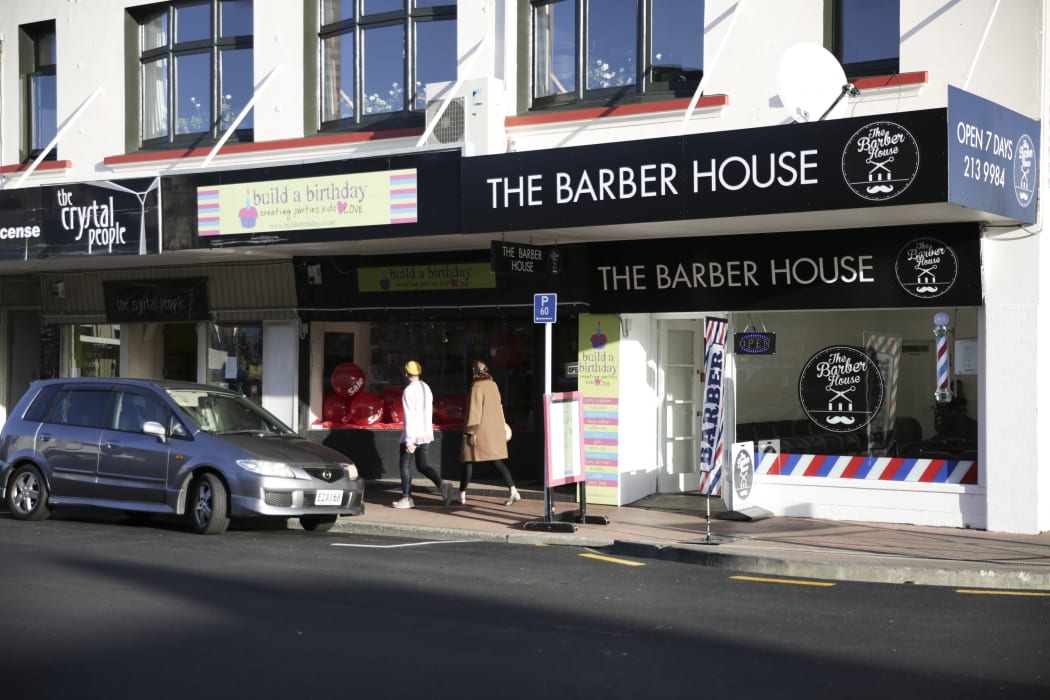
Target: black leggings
x=468, y=468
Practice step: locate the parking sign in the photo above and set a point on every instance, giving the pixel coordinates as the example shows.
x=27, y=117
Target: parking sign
x=544, y=308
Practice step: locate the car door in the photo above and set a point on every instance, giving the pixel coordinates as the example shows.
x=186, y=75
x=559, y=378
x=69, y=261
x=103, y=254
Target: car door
x=133, y=465
x=69, y=440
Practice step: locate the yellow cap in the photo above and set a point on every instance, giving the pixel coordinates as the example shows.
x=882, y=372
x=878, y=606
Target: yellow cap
x=412, y=367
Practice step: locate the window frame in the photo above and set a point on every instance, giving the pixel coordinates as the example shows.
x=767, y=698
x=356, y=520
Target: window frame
x=34, y=40
x=409, y=18
x=839, y=42
x=214, y=47
x=643, y=89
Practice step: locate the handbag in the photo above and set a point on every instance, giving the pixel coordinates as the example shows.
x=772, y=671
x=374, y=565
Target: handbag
x=508, y=431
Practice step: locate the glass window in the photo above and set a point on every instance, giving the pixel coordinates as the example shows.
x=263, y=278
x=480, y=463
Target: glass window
x=96, y=350
x=867, y=36
x=555, y=31
x=601, y=61
x=612, y=36
x=235, y=358
x=41, y=96
x=197, y=71
x=445, y=349
x=772, y=410
x=377, y=57
x=677, y=54
x=90, y=408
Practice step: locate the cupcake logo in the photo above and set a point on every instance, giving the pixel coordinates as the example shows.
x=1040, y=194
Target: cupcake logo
x=248, y=213
x=598, y=338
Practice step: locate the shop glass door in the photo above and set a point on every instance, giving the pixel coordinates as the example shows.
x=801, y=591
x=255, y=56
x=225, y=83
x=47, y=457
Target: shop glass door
x=680, y=359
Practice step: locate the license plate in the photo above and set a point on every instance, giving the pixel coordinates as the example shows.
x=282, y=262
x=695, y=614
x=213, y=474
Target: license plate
x=328, y=498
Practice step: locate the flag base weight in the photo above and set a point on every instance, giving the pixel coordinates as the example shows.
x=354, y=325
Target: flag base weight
x=549, y=526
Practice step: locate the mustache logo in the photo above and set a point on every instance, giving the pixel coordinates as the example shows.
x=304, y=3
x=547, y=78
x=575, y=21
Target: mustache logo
x=923, y=290
x=844, y=420
x=873, y=189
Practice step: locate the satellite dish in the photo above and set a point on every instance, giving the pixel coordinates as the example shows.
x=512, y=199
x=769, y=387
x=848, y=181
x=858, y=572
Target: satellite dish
x=812, y=84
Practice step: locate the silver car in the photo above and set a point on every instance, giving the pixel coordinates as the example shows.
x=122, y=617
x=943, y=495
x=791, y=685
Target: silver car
x=167, y=447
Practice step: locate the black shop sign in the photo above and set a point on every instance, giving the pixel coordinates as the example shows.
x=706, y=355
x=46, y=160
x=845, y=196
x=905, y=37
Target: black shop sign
x=856, y=163
x=882, y=267
x=156, y=301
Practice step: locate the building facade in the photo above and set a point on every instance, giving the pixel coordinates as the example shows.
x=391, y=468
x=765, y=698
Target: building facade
x=792, y=249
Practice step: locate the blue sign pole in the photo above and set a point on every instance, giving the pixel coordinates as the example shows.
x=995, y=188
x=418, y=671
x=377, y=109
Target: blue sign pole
x=545, y=310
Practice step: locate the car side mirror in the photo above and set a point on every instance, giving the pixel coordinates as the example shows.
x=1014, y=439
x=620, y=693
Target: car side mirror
x=152, y=427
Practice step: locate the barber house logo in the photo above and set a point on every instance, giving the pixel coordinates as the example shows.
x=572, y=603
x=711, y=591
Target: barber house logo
x=1024, y=180
x=926, y=268
x=743, y=473
x=841, y=389
x=880, y=161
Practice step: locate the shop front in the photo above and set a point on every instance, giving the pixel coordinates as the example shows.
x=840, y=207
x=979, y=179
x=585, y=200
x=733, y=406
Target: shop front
x=369, y=315
x=840, y=264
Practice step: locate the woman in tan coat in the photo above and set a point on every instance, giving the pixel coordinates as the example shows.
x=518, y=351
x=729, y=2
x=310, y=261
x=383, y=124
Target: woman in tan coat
x=484, y=435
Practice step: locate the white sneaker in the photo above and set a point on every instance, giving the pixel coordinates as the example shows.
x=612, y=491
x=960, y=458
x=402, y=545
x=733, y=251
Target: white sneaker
x=405, y=502
x=463, y=497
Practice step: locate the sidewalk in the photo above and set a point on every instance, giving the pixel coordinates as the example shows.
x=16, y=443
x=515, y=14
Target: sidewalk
x=675, y=528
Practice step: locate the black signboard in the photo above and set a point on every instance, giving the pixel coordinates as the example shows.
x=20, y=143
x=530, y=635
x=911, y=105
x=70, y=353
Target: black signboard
x=884, y=267
x=97, y=219
x=862, y=162
x=509, y=258
x=183, y=299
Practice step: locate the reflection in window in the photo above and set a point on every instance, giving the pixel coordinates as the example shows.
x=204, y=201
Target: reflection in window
x=235, y=358
x=867, y=36
x=196, y=70
x=41, y=85
x=605, y=65
x=377, y=57
x=445, y=349
x=96, y=350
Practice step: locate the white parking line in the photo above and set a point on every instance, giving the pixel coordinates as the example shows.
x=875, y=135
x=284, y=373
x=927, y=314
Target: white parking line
x=395, y=546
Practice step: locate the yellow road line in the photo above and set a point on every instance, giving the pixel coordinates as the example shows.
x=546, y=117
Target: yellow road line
x=794, y=582
x=614, y=561
x=979, y=591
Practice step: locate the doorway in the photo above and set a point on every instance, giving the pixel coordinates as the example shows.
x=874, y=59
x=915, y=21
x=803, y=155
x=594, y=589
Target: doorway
x=180, y=351
x=681, y=357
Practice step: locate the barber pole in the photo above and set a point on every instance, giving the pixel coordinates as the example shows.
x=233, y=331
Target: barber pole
x=940, y=332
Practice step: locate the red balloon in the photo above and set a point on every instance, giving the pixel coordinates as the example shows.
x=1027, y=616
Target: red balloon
x=450, y=409
x=348, y=379
x=366, y=408
x=507, y=350
x=393, y=409
x=336, y=409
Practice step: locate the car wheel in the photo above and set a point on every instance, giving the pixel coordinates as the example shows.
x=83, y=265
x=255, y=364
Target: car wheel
x=317, y=523
x=27, y=494
x=208, y=505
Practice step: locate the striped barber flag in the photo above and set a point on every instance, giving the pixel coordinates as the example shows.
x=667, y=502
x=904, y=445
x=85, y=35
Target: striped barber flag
x=712, y=422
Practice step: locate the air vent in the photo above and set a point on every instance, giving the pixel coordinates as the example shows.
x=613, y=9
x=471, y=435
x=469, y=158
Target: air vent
x=450, y=126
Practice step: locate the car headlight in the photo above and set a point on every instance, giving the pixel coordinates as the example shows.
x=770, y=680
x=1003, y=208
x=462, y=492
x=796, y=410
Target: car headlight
x=266, y=468
x=351, y=469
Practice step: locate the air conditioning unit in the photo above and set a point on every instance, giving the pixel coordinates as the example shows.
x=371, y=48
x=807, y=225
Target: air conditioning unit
x=472, y=118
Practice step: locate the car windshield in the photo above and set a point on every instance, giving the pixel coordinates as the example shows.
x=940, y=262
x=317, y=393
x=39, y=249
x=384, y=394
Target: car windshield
x=223, y=413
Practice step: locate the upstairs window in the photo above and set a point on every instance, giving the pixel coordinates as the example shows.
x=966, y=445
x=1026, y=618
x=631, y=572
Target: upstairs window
x=867, y=36
x=378, y=56
x=609, y=50
x=196, y=71
x=38, y=53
